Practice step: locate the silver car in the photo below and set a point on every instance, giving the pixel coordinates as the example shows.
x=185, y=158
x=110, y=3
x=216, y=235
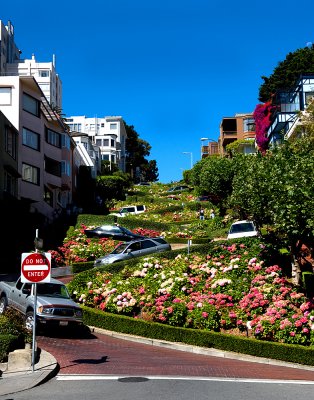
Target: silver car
x=135, y=248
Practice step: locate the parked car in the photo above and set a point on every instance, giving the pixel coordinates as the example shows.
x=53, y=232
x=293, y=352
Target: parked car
x=114, y=232
x=179, y=188
x=136, y=248
x=244, y=228
x=143, y=184
x=130, y=210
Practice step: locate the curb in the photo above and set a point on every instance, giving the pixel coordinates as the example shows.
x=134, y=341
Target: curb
x=18, y=381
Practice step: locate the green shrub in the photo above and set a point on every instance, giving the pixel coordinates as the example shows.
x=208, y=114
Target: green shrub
x=196, y=337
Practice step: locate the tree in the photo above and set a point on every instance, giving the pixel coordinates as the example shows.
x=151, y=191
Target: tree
x=213, y=176
x=137, y=150
x=287, y=72
x=149, y=171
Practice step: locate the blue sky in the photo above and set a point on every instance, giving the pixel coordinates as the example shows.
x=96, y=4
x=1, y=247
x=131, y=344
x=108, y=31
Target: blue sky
x=172, y=69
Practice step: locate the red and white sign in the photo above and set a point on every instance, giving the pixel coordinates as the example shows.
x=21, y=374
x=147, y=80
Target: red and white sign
x=36, y=267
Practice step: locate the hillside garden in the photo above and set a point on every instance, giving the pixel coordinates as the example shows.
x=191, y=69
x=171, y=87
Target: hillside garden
x=242, y=287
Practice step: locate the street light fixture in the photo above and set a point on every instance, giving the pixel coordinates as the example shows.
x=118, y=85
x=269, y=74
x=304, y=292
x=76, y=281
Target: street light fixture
x=191, y=155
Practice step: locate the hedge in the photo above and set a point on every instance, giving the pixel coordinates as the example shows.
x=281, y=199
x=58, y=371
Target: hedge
x=238, y=344
x=10, y=343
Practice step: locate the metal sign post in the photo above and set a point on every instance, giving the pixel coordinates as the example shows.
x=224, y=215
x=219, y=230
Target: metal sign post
x=34, y=327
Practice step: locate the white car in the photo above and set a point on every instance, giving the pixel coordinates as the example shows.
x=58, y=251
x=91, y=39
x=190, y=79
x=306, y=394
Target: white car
x=130, y=210
x=243, y=228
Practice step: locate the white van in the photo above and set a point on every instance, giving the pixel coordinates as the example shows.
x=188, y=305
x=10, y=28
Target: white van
x=242, y=229
x=130, y=210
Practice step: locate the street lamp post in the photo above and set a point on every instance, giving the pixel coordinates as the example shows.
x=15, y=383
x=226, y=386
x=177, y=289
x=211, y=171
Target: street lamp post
x=191, y=155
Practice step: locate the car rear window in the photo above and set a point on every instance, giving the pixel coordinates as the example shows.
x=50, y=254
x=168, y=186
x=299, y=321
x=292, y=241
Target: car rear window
x=140, y=208
x=147, y=244
x=243, y=227
x=160, y=240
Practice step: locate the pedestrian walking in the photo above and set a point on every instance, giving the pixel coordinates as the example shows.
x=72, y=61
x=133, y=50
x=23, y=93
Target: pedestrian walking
x=212, y=214
x=201, y=214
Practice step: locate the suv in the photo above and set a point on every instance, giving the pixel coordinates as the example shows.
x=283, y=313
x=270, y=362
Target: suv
x=244, y=228
x=130, y=210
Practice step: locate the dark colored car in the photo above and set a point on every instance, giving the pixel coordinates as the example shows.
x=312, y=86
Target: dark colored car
x=114, y=232
x=136, y=248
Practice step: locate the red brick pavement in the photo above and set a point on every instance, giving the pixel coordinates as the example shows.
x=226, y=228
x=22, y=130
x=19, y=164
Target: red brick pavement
x=102, y=354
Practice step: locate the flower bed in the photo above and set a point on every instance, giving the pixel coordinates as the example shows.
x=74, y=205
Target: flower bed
x=229, y=289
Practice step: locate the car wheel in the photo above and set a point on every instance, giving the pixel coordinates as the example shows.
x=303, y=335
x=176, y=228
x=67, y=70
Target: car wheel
x=3, y=304
x=29, y=321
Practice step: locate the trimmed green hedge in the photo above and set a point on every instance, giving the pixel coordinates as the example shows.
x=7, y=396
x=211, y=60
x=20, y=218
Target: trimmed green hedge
x=10, y=343
x=239, y=344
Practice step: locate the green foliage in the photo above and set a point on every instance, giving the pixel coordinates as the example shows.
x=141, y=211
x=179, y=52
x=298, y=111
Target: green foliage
x=214, y=176
x=287, y=72
x=196, y=337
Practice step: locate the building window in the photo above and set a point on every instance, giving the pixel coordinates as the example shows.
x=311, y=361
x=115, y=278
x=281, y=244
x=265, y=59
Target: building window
x=105, y=157
x=53, y=138
x=45, y=87
x=112, y=143
x=30, y=174
x=105, y=142
x=249, y=125
x=98, y=142
x=113, y=126
x=309, y=96
x=44, y=74
x=52, y=166
x=102, y=125
x=31, y=139
x=30, y=104
x=10, y=184
x=5, y=96
x=10, y=142
x=65, y=141
x=65, y=168
x=48, y=196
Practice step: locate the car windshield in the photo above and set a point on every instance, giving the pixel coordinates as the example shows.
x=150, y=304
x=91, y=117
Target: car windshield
x=243, y=227
x=120, y=248
x=53, y=290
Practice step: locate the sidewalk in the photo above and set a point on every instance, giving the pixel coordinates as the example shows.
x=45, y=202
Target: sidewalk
x=20, y=376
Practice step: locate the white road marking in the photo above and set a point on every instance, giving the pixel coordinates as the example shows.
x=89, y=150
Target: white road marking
x=78, y=377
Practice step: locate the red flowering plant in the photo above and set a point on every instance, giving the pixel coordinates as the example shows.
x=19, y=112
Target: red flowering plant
x=262, y=116
x=229, y=289
x=78, y=248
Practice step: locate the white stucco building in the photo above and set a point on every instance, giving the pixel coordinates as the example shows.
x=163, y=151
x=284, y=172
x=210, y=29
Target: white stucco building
x=107, y=133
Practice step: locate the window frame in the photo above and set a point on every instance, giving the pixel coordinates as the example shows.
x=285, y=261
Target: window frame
x=31, y=180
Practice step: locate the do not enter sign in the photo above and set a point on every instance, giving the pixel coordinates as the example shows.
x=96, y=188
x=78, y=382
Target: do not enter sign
x=36, y=267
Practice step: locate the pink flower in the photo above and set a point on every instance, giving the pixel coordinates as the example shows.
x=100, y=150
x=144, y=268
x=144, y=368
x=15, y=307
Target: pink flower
x=204, y=314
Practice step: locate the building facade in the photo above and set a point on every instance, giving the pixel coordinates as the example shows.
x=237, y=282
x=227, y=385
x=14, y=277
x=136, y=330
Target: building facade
x=240, y=127
x=290, y=105
x=44, y=159
x=107, y=133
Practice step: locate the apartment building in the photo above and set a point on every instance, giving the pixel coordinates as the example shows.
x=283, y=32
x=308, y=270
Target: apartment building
x=9, y=52
x=239, y=127
x=44, y=73
x=107, y=133
x=9, y=173
x=290, y=104
x=46, y=179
